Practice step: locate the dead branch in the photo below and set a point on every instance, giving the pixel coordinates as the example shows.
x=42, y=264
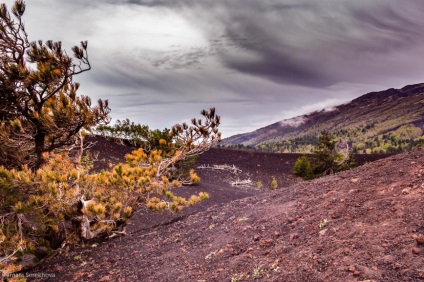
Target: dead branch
x=245, y=182
x=232, y=168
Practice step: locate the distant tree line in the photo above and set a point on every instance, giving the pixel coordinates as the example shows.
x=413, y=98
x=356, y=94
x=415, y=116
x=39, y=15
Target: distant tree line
x=364, y=140
x=137, y=135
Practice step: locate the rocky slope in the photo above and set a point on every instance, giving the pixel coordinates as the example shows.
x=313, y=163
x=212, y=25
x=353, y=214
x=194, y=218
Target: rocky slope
x=366, y=224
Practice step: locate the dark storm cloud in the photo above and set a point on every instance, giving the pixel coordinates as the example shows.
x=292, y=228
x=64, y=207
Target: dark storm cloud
x=172, y=60
x=257, y=61
x=311, y=43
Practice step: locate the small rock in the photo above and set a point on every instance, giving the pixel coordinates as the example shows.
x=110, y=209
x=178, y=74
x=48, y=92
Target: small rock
x=356, y=273
x=406, y=191
x=352, y=268
x=416, y=251
x=323, y=232
x=388, y=259
x=294, y=236
x=256, y=237
x=420, y=239
x=405, y=271
x=104, y=279
x=266, y=242
x=198, y=273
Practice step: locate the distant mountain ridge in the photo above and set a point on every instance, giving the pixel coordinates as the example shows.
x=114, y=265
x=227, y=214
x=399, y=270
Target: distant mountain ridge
x=382, y=122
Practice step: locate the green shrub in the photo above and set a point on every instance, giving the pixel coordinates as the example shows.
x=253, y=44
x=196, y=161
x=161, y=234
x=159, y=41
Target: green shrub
x=303, y=168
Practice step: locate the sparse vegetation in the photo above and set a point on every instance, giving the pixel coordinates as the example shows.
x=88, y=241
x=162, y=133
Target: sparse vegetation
x=274, y=184
x=323, y=223
x=244, y=218
x=56, y=200
x=239, y=277
x=385, y=122
x=257, y=272
x=40, y=205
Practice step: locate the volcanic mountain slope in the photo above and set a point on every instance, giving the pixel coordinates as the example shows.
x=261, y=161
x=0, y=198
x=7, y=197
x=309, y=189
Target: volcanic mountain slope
x=366, y=224
x=376, y=120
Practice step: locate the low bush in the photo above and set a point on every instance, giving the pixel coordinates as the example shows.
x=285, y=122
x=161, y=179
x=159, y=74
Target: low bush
x=274, y=184
x=303, y=168
x=62, y=203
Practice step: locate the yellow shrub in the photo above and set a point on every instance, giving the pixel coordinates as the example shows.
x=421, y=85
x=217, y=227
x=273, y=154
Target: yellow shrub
x=51, y=197
x=194, y=178
x=127, y=212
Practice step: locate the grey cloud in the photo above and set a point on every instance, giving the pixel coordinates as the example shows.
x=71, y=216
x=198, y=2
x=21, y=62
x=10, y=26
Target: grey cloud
x=266, y=59
x=304, y=42
x=148, y=3
x=178, y=59
x=311, y=43
x=319, y=58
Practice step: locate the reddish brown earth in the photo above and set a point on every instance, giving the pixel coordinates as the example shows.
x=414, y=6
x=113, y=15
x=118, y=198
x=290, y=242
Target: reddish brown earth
x=374, y=229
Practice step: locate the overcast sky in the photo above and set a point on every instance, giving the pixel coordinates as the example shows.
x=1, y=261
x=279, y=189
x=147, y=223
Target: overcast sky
x=257, y=61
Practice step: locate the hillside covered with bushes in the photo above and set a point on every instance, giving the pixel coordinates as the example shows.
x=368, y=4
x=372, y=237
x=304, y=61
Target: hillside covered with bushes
x=389, y=121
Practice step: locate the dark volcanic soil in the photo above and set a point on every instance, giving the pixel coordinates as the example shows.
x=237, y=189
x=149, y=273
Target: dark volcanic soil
x=359, y=225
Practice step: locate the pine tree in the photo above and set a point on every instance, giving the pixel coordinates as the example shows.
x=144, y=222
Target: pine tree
x=325, y=154
x=62, y=202
x=328, y=159
x=39, y=107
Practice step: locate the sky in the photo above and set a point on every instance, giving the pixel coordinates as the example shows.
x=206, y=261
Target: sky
x=256, y=61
